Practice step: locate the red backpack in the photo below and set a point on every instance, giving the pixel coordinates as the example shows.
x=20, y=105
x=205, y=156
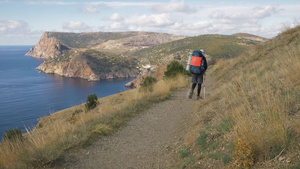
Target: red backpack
x=197, y=62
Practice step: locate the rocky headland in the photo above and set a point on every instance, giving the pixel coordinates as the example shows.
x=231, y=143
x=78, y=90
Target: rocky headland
x=95, y=56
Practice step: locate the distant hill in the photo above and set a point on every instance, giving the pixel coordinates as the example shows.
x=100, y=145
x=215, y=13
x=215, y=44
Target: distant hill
x=94, y=56
x=216, y=46
x=122, y=43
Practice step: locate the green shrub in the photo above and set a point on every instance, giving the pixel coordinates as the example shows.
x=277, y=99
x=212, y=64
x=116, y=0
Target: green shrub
x=185, y=152
x=189, y=160
x=213, y=145
x=215, y=156
x=91, y=102
x=173, y=69
x=13, y=135
x=77, y=111
x=225, y=125
x=148, y=83
x=226, y=159
x=201, y=141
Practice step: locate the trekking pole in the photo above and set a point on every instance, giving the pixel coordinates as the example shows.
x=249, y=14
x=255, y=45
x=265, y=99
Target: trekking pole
x=204, y=86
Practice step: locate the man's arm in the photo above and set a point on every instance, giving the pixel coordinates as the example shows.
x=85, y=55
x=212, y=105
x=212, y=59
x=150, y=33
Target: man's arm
x=205, y=63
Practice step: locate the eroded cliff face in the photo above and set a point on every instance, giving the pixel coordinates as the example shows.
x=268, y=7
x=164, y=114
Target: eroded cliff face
x=47, y=47
x=80, y=68
x=69, y=69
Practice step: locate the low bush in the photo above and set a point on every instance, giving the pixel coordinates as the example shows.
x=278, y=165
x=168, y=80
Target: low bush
x=201, y=141
x=184, y=153
x=175, y=68
x=91, y=102
x=13, y=135
x=148, y=83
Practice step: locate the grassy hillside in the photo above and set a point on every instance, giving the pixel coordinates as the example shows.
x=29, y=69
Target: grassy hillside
x=251, y=116
x=132, y=40
x=216, y=46
x=101, y=63
x=83, y=40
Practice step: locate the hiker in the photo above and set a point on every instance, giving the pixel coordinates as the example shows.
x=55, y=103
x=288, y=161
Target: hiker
x=198, y=67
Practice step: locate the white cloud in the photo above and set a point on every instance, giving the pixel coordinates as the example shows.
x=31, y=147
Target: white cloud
x=265, y=12
x=119, y=4
x=49, y=3
x=197, y=28
x=74, y=26
x=12, y=26
x=152, y=23
x=172, y=6
x=149, y=20
x=17, y=33
x=91, y=10
x=94, y=7
x=174, y=16
x=248, y=20
x=116, y=27
x=200, y=25
x=113, y=4
x=116, y=17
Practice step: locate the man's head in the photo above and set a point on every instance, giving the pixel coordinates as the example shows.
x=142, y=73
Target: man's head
x=202, y=51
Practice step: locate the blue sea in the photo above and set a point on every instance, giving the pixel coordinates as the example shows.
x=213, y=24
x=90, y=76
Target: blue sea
x=26, y=94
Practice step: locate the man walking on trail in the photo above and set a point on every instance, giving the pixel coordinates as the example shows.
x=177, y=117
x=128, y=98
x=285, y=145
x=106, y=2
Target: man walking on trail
x=198, y=67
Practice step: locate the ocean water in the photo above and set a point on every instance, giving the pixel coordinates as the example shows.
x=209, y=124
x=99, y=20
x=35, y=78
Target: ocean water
x=26, y=94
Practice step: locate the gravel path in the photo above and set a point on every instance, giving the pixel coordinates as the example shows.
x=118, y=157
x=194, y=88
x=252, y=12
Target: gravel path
x=149, y=140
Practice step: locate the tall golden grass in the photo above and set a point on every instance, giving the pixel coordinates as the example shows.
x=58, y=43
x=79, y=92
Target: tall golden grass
x=258, y=91
x=65, y=129
x=262, y=119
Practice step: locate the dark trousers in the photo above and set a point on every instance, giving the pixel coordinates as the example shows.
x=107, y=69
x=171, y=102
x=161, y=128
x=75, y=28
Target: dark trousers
x=199, y=88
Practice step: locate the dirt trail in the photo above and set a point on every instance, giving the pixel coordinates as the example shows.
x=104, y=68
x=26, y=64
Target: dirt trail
x=149, y=140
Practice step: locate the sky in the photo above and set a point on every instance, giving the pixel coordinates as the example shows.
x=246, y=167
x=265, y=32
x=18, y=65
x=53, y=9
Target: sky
x=22, y=22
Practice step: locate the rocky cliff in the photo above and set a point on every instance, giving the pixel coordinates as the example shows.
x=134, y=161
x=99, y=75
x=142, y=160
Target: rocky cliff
x=47, y=47
x=94, y=56
x=89, y=64
x=83, y=70
x=69, y=69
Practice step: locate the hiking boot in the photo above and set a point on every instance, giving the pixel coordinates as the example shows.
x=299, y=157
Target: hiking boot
x=199, y=97
x=190, y=94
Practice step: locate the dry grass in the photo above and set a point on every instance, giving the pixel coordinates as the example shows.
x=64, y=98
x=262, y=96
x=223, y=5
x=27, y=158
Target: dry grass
x=260, y=92
x=263, y=124
x=73, y=127
x=265, y=98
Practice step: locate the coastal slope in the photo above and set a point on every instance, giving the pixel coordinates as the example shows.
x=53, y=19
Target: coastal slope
x=94, y=56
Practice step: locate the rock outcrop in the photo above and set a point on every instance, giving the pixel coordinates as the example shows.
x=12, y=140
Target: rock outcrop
x=83, y=70
x=70, y=69
x=47, y=47
x=81, y=66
